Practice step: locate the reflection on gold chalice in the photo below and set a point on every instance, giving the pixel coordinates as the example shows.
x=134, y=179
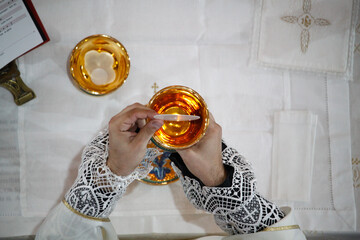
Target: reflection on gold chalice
x=179, y=100
x=99, y=64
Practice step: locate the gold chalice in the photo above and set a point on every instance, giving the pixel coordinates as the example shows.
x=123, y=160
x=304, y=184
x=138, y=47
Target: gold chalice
x=175, y=135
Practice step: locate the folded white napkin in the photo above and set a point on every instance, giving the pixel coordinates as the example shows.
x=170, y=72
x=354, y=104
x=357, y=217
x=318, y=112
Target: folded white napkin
x=297, y=35
x=293, y=155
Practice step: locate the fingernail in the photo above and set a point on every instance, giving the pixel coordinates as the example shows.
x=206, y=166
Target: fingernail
x=157, y=124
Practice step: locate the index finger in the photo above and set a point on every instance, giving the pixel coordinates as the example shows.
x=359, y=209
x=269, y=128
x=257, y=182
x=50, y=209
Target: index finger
x=130, y=116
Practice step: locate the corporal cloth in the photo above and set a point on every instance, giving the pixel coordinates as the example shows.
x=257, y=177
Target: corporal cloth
x=204, y=45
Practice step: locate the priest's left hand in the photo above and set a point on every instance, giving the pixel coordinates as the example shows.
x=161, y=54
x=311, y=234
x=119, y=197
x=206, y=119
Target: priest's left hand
x=204, y=159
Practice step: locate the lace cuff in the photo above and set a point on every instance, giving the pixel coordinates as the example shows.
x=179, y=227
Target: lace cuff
x=96, y=189
x=238, y=208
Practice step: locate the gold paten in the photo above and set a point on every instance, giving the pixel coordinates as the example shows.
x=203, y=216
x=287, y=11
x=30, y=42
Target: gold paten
x=162, y=172
x=99, y=43
x=11, y=80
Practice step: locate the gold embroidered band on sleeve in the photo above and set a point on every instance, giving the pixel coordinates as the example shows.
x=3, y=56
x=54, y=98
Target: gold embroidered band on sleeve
x=282, y=228
x=83, y=215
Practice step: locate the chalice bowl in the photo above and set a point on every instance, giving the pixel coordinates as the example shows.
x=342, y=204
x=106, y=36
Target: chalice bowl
x=174, y=135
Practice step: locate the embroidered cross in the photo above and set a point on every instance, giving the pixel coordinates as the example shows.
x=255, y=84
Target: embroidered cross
x=155, y=86
x=356, y=172
x=305, y=21
x=357, y=48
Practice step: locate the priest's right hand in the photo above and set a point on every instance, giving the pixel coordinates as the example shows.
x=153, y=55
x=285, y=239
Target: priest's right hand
x=127, y=147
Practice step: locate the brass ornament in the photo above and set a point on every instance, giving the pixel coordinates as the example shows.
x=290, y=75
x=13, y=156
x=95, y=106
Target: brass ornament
x=11, y=80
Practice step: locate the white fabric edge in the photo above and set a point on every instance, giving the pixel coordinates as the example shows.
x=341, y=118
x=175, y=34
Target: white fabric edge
x=314, y=123
x=287, y=90
x=21, y=147
x=341, y=157
x=194, y=224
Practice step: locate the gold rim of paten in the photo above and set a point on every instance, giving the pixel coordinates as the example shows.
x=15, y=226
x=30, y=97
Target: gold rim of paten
x=124, y=53
x=282, y=228
x=206, y=124
x=150, y=182
x=83, y=215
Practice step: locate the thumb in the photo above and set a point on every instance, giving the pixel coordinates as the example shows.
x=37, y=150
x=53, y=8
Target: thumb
x=148, y=131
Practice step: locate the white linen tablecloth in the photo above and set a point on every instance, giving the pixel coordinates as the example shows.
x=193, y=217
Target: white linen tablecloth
x=205, y=45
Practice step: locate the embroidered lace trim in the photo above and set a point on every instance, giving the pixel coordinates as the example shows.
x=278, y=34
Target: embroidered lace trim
x=96, y=189
x=237, y=209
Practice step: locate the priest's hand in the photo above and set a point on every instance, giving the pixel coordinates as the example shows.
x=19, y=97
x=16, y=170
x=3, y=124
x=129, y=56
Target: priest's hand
x=127, y=148
x=204, y=159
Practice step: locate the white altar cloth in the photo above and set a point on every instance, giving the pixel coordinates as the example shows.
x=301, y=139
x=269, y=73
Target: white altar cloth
x=205, y=45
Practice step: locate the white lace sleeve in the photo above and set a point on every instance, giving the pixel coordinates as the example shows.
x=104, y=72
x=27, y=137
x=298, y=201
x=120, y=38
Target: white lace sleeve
x=238, y=208
x=96, y=189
